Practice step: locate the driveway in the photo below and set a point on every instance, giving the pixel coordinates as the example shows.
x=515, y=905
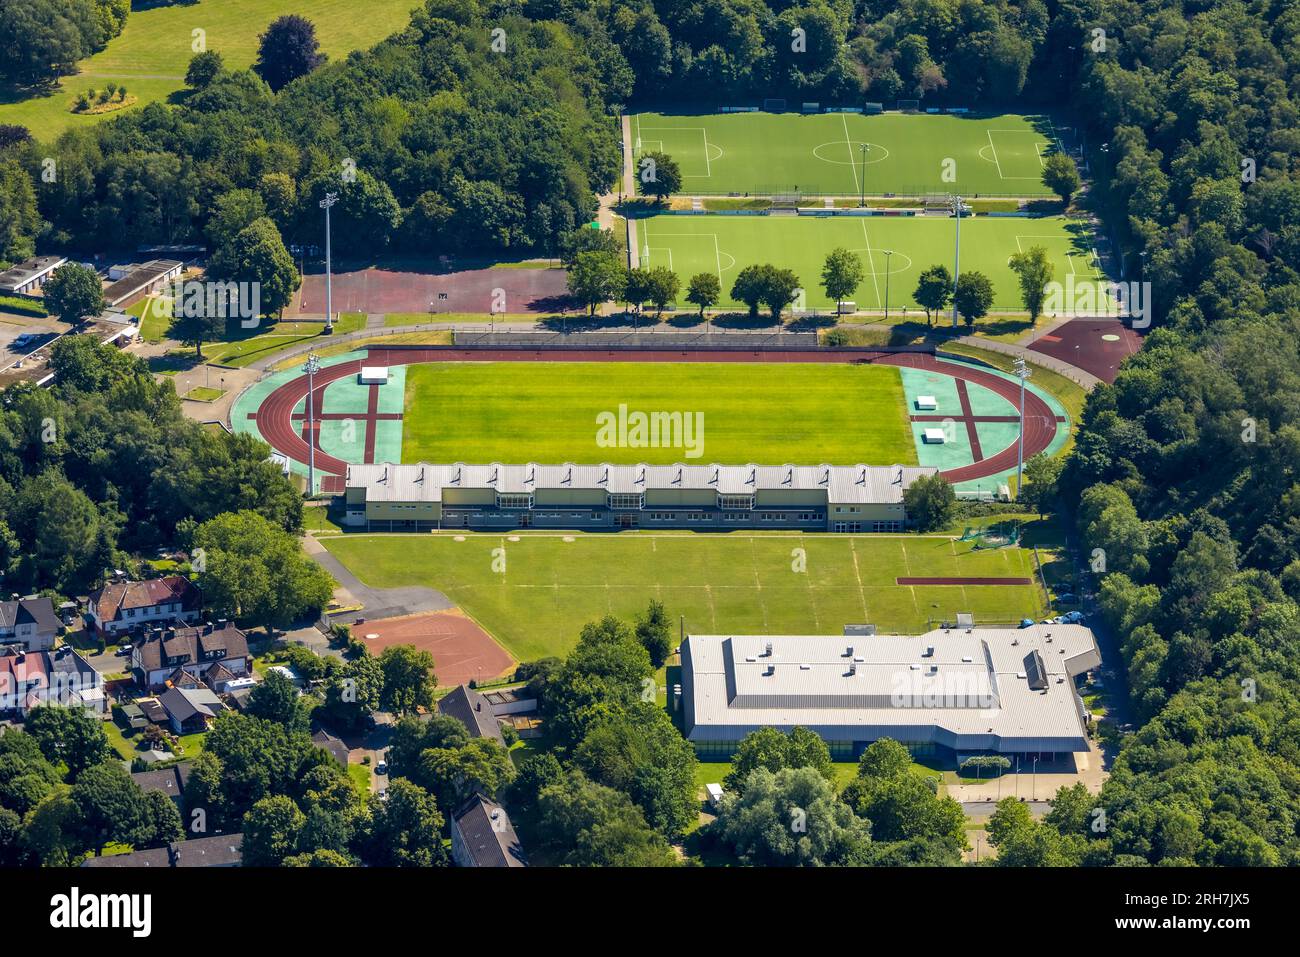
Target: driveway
x=376, y=602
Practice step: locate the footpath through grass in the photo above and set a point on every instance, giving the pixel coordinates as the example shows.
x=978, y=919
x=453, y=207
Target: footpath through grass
x=554, y=583
x=767, y=414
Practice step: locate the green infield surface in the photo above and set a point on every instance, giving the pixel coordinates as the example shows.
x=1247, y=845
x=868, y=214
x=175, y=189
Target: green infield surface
x=822, y=153
x=767, y=413
x=894, y=251
x=553, y=584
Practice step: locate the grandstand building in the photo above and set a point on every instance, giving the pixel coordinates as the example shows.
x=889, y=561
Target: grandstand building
x=960, y=691
x=420, y=497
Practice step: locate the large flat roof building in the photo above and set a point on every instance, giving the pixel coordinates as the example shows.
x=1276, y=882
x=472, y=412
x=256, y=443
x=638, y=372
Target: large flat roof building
x=842, y=498
x=996, y=690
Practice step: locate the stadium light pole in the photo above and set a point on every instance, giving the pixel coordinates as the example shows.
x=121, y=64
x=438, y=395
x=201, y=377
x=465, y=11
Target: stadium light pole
x=863, y=147
x=325, y=204
x=311, y=367
x=956, y=260
x=888, y=253
x=1022, y=373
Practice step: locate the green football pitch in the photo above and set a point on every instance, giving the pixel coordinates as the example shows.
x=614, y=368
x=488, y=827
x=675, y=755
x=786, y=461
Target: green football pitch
x=894, y=250
x=554, y=584
x=822, y=153
x=767, y=414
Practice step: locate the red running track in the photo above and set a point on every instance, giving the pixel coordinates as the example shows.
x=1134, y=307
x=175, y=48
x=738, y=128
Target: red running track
x=275, y=415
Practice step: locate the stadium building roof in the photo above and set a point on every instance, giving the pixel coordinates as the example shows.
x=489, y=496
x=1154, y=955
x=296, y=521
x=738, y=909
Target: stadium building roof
x=980, y=689
x=844, y=484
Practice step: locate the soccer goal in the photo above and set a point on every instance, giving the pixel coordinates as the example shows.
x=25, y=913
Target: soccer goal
x=873, y=107
x=774, y=105
x=909, y=106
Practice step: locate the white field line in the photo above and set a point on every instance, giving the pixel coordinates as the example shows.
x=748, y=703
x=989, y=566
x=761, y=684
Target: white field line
x=1037, y=150
x=1069, y=257
x=848, y=143
x=871, y=262
x=708, y=168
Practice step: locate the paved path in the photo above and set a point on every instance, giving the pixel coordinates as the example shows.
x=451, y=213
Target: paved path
x=1085, y=379
x=376, y=602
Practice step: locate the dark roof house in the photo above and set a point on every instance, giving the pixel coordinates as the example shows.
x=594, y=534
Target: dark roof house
x=473, y=711
x=482, y=836
x=156, y=656
x=170, y=780
x=30, y=620
x=220, y=850
x=335, y=746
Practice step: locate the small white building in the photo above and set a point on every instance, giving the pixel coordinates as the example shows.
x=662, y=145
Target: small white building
x=927, y=402
x=374, y=375
x=933, y=437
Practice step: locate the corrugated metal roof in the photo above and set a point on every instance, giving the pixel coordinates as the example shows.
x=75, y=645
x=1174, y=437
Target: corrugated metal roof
x=966, y=689
x=844, y=484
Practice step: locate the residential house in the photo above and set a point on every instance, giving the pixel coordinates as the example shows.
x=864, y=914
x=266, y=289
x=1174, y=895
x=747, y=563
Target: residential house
x=127, y=606
x=335, y=746
x=190, y=711
x=220, y=850
x=30, y=622
x=169, y=780
x=32, y=678
x=157, y=657
x=473, y=711
x=482, y=836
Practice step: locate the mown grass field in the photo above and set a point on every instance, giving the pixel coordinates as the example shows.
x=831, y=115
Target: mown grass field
x=767, y=414
x=150, y=56
x=822, y=153
x=894, y=251
x=720, y=583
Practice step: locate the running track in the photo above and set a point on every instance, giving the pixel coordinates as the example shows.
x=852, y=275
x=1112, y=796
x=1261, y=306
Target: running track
x=275, y=418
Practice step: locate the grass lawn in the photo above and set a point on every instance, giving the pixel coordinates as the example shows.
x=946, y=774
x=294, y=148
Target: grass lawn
x=894, y=251
x=427, y=337
x=21, y=306
x=155, y=315
x=762, y=413
x=243, y=347
x=822, y=153
x=721, y=583
x=202, y=393
x=150, y=56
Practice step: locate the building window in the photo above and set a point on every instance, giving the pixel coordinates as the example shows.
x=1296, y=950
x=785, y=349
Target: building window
x=736, y=501
x=514, y=500
x=625, y=500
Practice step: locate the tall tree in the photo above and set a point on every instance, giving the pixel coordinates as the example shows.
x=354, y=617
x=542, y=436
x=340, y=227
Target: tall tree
x=974, y=296
x=1033, y=270
x=841, y=275
x=933, y=291
x=287, y=50
x=74, y=294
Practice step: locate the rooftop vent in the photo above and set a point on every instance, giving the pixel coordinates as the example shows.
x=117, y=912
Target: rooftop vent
x=929, y=651
x=771, y=670
x=767, y=649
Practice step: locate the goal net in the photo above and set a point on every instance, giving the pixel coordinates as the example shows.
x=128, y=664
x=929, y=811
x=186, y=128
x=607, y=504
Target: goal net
x=774, y=106
x=909, y=106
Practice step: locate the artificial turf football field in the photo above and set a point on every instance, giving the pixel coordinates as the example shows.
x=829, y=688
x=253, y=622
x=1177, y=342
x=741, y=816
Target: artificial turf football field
x=761, y=413
x=899, y=248
x=554, y=583
x=821, y=153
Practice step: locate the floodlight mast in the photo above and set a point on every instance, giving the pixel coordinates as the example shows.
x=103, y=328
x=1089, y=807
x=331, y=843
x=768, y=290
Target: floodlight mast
x=1022, y=373
x=311, y=367
x=325, y=204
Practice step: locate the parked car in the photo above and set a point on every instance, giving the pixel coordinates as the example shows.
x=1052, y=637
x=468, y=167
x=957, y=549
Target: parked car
x=381, y=767
x=1072, y=618
x=1026, y=623
x=123, y=651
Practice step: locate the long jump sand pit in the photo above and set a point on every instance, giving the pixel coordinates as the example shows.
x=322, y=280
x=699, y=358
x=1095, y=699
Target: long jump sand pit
x=461, y=649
